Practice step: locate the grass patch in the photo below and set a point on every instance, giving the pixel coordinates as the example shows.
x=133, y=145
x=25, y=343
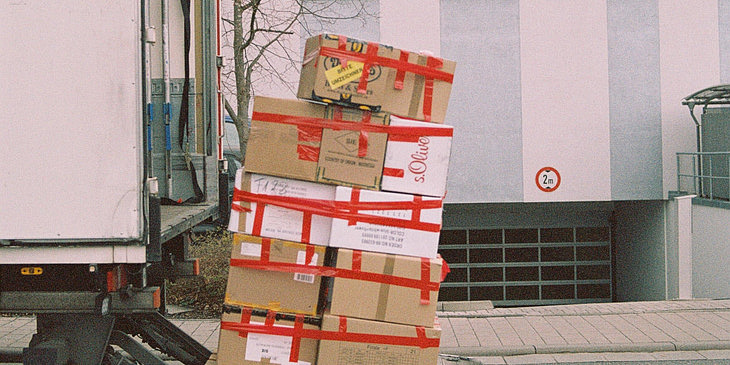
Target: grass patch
x=205, y=292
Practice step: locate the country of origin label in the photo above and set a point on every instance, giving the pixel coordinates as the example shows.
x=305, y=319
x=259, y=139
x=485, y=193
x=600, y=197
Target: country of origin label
x=339, y=76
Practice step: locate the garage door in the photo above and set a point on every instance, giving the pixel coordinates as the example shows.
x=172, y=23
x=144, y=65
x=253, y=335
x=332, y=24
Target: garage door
x=528, y=266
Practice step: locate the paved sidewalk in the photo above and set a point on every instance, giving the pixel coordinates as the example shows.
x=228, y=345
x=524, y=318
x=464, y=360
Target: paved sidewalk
x=675, y=331
x=690, y=330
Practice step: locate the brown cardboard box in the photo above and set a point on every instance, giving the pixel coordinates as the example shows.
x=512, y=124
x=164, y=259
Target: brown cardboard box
x=347, y=352
x=386, y=302
x=323, y=68
x=288, y=139
x=261, y=348
x=275, y=221
x=280, y=291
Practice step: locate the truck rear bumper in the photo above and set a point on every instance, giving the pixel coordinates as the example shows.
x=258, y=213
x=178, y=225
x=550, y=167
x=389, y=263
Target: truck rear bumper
x=73, y=254
x=138, y=301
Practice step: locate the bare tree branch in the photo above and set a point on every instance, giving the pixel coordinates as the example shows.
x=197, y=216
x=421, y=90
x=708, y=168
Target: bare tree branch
x=230, y=111
x=261, y=54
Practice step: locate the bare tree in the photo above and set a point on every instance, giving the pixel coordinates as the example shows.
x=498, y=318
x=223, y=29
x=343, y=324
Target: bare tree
x=265, y=42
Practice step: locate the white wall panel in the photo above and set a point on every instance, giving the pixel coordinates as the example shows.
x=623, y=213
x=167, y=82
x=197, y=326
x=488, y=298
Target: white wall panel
x=565, y=110
x=411, y=25
x=689, y=60
x=70, y=139
x=710, y=251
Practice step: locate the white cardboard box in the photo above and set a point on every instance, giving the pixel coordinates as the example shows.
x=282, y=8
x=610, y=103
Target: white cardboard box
x=418, y=164
x=419, y=236
x=278, y=222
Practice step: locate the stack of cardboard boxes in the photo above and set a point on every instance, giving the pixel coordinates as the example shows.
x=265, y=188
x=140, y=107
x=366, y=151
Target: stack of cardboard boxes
x=338, y=212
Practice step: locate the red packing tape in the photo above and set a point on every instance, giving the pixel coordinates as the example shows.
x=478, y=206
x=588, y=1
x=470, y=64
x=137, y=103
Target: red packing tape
x=393, y=172
x=339, y=209
x=428, y=71
x=424, y=283
x=339, y=124
x=308, y=153
x=371, y=53
x=420, y=340
x=401, y=74
x=362, y=144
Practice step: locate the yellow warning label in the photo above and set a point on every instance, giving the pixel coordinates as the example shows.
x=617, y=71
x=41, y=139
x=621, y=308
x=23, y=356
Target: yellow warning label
x=338, y=76
x=31, y=271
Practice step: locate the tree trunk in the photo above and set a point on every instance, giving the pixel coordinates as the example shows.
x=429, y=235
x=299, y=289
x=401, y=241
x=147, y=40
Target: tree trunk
x=243, y=86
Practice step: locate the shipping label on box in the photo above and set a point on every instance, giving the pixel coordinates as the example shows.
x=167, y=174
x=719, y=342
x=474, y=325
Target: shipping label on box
x=365, y=342
x=342, y=70
x=250, y=284
x=248, y=337
x=376, y=221
x=313, y=142
x=353, y=157
x=417, y=162
x=257, y=208
x=396, y=300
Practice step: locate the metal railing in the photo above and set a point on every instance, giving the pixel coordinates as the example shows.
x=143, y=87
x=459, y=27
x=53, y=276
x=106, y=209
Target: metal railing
x=706, y=174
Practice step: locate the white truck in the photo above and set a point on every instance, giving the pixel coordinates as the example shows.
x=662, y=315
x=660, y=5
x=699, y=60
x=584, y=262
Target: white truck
x=110, y=155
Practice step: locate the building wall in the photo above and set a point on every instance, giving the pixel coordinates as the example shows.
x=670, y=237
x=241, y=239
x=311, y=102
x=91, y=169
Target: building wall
x=486, y=102
x=599, y=96
x=689, y=61
x=710, y=251
x=634, y=99
x=591, y=89
x=639, y=249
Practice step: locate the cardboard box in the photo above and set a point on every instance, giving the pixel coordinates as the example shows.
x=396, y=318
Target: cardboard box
x=346, y=351
x=396, y=80
x=251, y=286
x=412, y=230
x=237, y=348
x=289, y=138
x=269, y=220
x=417, y=164
x=387, y=302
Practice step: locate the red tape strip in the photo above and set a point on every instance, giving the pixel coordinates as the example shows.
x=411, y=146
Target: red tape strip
x=426, y=71
x=340, y=209
x=245, y=319
x=265, y=249
x=339, y=124
x=362, y=145
x=308, y=153
x=296, y=338
x=258, y=219
x=401, y=74
x=309, y=134
x=357, y=261
x=426, y=278
x=430, y=71
x=420, y=340
x=423, y=283
x=371, y=54
x=392, y=172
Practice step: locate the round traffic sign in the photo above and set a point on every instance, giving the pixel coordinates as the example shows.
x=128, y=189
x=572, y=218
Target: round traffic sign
x=547, y=179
